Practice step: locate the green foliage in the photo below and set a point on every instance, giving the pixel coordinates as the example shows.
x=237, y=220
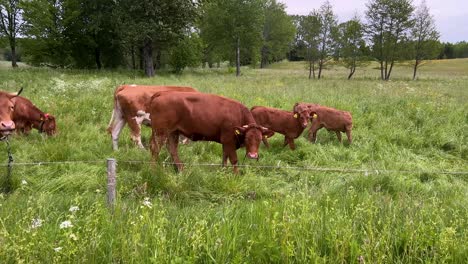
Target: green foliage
x=387, y=26
x=278, y=33
x=405, y=212
x=187, y=53
x=225, y=22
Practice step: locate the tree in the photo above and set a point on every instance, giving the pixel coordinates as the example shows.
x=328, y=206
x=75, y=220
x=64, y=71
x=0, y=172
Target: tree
x=186, y=53
x=92, y=34
x=11, y=24
x=232, y=26
x=278, y=32
x=351, y=46
x=388, y=22
x=44, y=28
x=154, y=24
x=328, y=22
x=424, y=36
x=308, y=37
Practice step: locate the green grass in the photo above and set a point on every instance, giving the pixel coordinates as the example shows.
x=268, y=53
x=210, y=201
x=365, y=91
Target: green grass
x=264, y=215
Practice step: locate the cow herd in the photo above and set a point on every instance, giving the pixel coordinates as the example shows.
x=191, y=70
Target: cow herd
x=174, y=111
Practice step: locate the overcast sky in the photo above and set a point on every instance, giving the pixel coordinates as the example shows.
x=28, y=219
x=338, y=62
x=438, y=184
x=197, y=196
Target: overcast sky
x=451, y=16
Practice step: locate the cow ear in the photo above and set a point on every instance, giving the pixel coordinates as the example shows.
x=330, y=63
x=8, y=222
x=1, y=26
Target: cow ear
x=267, y=132
x=240, y=130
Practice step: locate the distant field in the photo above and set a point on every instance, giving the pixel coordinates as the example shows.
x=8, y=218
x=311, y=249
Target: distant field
x=398, y=194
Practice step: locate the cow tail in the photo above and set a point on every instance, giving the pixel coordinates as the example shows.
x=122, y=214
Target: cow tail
x=117, y=111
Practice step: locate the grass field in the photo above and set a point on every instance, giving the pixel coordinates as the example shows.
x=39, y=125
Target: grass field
x=396, y=203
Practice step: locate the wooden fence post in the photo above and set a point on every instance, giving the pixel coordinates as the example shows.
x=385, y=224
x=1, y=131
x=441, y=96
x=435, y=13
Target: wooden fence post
x=111, y=182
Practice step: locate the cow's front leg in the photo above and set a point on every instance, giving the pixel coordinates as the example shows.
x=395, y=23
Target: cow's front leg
x=338, y=135
x=233, y=159
x=158, y=138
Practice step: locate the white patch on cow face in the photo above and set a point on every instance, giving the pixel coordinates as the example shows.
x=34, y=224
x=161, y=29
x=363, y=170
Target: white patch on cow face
x=133, y=85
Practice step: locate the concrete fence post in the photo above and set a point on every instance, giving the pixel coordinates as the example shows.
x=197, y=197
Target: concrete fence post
x=111, y=181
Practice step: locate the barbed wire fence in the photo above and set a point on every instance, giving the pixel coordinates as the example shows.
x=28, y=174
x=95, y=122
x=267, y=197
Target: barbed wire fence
x=112, y=169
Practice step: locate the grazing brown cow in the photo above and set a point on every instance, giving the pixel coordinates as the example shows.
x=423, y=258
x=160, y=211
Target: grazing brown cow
x=290, y=124
x=205, y=117
x=330, y=118
x=7, y=106
x=27, y=116
x=130, y=107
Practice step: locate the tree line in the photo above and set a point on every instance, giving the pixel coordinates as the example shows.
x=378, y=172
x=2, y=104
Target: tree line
x=151, y=34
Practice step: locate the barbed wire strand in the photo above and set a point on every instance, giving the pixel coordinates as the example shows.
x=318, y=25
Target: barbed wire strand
x=287, y=167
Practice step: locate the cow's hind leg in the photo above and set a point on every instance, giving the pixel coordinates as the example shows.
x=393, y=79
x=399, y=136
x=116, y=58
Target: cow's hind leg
x=172, y=146
x=115, y=131
x=135, y=132
x=158, y=137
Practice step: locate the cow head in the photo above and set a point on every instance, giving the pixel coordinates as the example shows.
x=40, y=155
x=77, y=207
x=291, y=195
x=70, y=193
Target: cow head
x=7, y=104
x=48, y=124
x=253, y=134
x=301, y=113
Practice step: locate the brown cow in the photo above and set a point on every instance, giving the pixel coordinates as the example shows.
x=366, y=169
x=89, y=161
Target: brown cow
x=130, y=107
x=205, y=117
x=27, y=116
x=330, y=118
x=7, y=105
x=290, y=124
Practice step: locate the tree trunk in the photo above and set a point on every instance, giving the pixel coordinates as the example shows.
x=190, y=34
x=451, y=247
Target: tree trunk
x=142, y=61
x=148, y=58
x=382, y=77
x=238, y=57
x=157, y=64
x=264, y=60
x=133, y=57
x=97, y=57
x=13, y=53
x=351, y=72
x=320, y=68
x=310, y=69
x=416, y=64
x=389, y=71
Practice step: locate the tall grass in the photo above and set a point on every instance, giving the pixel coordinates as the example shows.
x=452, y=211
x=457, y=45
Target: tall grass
x=278, y=214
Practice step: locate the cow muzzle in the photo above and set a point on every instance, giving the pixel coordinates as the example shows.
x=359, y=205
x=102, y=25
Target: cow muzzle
x=251, y=155
x=7, y=127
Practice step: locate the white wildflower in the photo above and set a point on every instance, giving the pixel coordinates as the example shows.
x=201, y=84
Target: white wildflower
x=65, y=224
x=36, y=222
x=74, y=209
x=147, y=203
x=24, y=182
x=73, y=237
x=98, y=191
x=57, y=249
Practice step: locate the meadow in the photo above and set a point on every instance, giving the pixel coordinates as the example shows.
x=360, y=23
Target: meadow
x=398, y=194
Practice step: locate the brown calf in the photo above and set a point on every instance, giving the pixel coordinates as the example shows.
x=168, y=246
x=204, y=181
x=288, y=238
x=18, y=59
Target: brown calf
x=27, y=116
x=290, y=124
x=330, y=118
x=206, y=117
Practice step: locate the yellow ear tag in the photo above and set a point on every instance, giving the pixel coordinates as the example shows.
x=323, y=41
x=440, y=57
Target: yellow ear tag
x=237, y=132
x=266, y=136
x=314, y=116
x=295, y=115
